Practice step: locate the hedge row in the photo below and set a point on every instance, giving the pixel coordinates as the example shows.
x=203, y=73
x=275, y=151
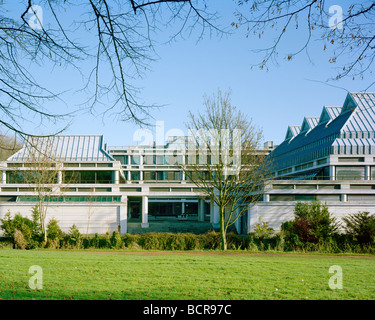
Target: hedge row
x=164, y=241
x=207, y=241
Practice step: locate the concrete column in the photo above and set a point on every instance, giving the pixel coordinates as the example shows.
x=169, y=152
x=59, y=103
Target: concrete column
x=3, y=177
x=214, y=214
x=367, y=173
x=183, y=208
x=123, y=215
x=344, y=198
x=59, y=177
x=145, y=212
x=332, y=173
x=200, y=209
x=116, y=177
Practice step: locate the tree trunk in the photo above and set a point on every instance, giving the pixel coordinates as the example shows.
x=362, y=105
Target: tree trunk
x=42, y=214
x=223, y=232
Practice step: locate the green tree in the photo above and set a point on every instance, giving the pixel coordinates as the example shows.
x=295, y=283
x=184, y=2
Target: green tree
x=223, y=159
x=361, y=226
x=312, y=222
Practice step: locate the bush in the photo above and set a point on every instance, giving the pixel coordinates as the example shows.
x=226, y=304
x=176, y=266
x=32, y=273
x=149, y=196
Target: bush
x=20, y=223
x=191, y=241
x=235, y=241
x=116, y=241
x=149, y=241
x=312, y=224
x=262, y=230
x=361, y=227
x=53, y=230
x=74, y=237
x=19, y=240
x=37, y=227
x=210, y=240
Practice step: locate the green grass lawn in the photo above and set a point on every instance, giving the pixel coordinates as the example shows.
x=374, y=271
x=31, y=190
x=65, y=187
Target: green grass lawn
x=182, y=275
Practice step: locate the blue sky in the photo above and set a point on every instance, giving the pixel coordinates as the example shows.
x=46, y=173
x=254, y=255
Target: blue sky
x=187, y=69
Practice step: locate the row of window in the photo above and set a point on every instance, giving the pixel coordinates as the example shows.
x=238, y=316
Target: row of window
x=72, y=199
x=92, y=177
x=322, y=197
x=341, y=173
x=165, y=159
x=68, y=177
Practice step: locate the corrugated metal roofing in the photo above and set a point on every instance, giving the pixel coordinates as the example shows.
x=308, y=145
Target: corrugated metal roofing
x=309, y=123
x=354, y=146
x=333, y=111
x=329, y=113
x=363, y=117
x=292, y=132
x=65, y=148
x=351, y=130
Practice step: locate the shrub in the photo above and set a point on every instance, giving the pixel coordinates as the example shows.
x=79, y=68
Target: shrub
x=53, y=230
x=191, y=241
x=130, y=240
x=210, y=240
x=95, y=241
x=74, y=237
x=262, y=230
x=37, y=227
x=312, y=224
x=235, y=241
x=361, y=227
x=20, y=223
x=116, y=241
x=19, y=240
x=149, y=241
x=175, y=242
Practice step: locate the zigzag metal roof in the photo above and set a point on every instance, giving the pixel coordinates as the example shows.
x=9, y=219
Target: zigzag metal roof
x=292, y=132
x=309, y=123
x=66, y=148
x=357, y=115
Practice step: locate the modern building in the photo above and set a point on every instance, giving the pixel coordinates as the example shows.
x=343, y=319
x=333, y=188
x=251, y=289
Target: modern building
x=102, y=189
x=330, y=158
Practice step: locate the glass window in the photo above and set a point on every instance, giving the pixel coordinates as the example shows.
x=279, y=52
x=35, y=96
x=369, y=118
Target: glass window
x=160, y=160
x=87, y=176
x=350, y=172
x=104, y=177
x=149, y=175
x=14, y=177
x=136, y=160
x=70, y=177
x=307, y=197
x=135, y=175
x=150, y=159
x=122, y=158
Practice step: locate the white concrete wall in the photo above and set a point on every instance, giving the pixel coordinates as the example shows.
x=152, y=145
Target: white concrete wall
x=88, y=219
x=275, y=213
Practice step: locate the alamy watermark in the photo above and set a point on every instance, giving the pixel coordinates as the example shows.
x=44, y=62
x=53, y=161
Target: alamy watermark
x=36, y=280
x=199, y=146
x=336, y=19
x=35, y=20
x=335, y=281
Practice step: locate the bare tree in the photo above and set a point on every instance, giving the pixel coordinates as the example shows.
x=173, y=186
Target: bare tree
x=8, y=145
x=346, y=30
x=42, y=172
x=223, y=159
x=113, y=38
